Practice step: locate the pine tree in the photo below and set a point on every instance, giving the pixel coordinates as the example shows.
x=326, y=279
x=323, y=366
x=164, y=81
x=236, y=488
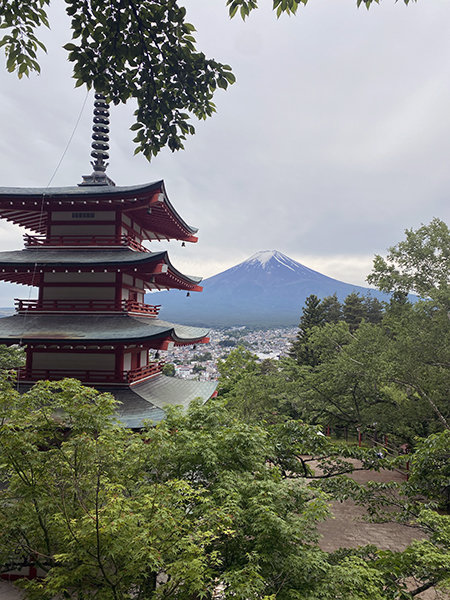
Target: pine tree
x=332, y=309
x=313, y=315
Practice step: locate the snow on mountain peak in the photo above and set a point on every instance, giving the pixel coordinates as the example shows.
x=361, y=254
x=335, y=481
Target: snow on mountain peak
x=262, y=257
x=268, y=258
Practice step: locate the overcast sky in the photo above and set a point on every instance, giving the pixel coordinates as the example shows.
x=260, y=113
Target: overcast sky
x=334, y=139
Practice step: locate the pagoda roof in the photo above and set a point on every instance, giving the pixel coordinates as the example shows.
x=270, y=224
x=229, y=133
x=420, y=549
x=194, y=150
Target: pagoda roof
x=146, y=401
x=148, y=204
x=98, y=329
x=27, y=266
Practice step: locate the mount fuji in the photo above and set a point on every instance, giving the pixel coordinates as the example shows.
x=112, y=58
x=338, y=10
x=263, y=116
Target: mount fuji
x=268, y=289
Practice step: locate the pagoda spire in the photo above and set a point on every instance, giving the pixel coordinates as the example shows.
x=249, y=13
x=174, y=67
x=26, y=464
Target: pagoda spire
x=100, y=144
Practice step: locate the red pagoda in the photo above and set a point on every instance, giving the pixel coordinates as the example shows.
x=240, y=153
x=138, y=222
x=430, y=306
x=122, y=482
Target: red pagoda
x=85, y=254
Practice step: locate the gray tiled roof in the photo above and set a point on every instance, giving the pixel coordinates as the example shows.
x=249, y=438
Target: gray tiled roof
x=72, y=193
x=75, y=190
x=146, y=401
x=96, y=328
x=61, y=257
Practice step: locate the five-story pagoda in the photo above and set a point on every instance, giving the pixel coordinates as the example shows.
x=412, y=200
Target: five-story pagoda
x=87, y=259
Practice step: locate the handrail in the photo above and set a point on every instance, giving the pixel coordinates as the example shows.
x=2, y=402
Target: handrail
x=141, y=308
x=144, y=372
x=128, y=306
x=84, y=240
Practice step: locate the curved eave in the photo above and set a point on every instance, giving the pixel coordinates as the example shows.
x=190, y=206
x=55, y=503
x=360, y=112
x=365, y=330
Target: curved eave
x=28, y=266
x=148, y=204
x=112, y=329
x=147, y=400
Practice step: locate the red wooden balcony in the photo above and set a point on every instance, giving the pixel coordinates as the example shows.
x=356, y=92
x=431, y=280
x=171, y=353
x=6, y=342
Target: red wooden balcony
x=83, y=241
x=102, y=306
x=93, y=376
x=145, y=372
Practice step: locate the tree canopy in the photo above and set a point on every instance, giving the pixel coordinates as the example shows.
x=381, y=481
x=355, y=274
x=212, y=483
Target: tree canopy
x=204, y=498
x=418, y=264
x=126, y=49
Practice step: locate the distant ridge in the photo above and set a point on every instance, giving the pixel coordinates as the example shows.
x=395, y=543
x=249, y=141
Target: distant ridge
x=268, y=289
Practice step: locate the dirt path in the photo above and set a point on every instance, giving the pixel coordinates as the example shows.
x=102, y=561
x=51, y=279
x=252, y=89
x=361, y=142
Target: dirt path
x=347, y=528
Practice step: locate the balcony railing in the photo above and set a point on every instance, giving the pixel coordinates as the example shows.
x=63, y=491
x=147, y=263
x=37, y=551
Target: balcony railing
x=145, y=372
x=107, y=306
x=92, y=375
x=84, y=241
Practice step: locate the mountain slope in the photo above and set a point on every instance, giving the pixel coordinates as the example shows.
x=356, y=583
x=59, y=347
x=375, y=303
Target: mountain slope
x=269, y=289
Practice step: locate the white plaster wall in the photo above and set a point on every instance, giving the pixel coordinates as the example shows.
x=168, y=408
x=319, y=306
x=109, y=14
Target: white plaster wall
x=78, y=293
x=83, y=230
x=74, y=361
x=127, y=361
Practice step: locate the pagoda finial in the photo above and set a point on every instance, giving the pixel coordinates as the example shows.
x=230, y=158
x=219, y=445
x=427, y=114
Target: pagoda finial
x=100, y=145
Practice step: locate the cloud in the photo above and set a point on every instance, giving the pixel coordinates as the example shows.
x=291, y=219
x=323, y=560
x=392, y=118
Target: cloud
x=334, y=139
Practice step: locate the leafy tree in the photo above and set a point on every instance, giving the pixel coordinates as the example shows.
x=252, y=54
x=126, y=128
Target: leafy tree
x=171, y=511
x=289, y=7
x=236, y=365
x=127, y=49
x=169, y=370
x=430, y=468
x=11, y=357
x=419, y=264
